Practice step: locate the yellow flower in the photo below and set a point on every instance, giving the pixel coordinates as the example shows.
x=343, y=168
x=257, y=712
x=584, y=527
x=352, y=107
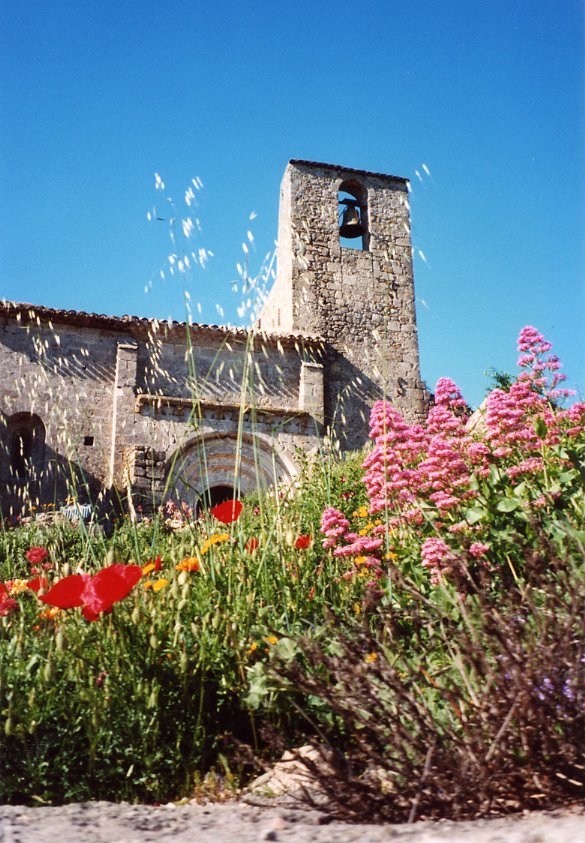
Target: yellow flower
x=253, y=647
x=361, y=560
x=271, y=639
x=357, y=608
x=371, y=658
x=160, y=584
x=147, y=584
x=18, y=586
x=148, y=569
x=361, y=512
x=218, y=538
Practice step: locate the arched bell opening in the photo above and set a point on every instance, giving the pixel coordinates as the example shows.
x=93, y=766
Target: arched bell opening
x=353, y=215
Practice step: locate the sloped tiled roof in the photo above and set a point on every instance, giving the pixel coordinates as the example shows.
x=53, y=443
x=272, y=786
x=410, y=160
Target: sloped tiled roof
x=29, y=313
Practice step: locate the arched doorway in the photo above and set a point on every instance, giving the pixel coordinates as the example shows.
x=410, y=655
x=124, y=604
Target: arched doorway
x=220, y=466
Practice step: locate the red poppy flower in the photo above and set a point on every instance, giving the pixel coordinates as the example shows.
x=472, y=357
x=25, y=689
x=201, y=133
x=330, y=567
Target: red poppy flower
x=96, y=593
x=302, y=542
x=38, y=584
x=227, y=511
x=66, y=593
x=36, y=555
x=7, y=604
x=252, y=545
x=108, y=586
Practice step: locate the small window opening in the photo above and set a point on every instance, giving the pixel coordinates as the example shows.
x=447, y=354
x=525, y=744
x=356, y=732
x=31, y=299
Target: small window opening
x=88, y=440
x=353, y=215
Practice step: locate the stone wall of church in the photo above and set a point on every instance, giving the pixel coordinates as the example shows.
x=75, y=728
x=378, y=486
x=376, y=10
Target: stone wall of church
x=121, y=401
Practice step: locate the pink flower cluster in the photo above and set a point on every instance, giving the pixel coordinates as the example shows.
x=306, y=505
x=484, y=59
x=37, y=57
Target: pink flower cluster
x=335, y=527
x=524, y=418
x=430, y=474
x=438, y=559
x=413, y=462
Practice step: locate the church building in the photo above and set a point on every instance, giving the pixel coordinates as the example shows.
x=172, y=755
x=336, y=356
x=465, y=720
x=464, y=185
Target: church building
x=154, y=410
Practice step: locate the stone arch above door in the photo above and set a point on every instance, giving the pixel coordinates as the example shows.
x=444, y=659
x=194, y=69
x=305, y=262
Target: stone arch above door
x=244, y=463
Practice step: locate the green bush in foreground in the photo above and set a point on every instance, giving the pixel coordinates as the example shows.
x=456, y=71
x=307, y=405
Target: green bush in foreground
x=139, y=699
x=464, y=692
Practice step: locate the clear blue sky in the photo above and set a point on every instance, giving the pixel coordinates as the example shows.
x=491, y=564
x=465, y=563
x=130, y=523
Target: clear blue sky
x=480, y=104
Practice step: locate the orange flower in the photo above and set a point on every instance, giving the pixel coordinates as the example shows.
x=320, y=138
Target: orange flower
x=189, y=563
x=152, y=565
x=50, y=613
x=217, y=538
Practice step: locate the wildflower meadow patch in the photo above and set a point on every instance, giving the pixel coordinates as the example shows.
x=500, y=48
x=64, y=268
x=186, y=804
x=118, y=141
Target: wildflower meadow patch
x=417, y=606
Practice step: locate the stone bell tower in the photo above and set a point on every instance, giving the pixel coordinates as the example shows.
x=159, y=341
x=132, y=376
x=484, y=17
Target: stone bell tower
x=345, y=274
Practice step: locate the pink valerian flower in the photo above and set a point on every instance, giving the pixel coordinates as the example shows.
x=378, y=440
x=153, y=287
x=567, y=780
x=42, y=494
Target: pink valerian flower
x=391, y=476
x=515, y=419
x=478, y=549
x=334, y=525
x=574, y=417
x=358, y=545
x=438, y=559
x=449, y=413
x=410, y=463
x=531, y=465
x=543, y=370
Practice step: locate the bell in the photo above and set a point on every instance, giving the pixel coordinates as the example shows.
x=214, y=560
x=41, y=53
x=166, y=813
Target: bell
x=351, y=224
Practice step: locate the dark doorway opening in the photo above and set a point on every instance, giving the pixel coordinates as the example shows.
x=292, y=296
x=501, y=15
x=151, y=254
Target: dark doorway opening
x=217, y=494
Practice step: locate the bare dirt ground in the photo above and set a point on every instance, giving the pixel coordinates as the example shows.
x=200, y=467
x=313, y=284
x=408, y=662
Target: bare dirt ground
x=237, y=822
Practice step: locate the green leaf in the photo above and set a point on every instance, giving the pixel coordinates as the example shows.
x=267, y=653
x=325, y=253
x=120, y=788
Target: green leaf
x=258, y=688
x=540, y=428
x=475, y=514
x=285, y=649
x=508, y=505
